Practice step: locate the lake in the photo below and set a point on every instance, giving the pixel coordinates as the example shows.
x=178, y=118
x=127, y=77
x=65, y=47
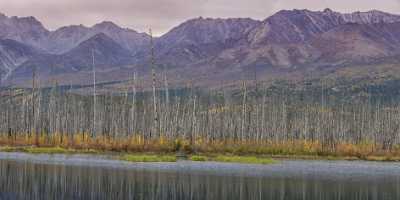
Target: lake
x=24, y=176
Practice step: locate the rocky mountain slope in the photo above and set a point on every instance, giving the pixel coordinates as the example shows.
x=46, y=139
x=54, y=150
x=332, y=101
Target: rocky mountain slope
x=26, y=30
x=100, y=49
x=12, y=55
x=30, y=31
x=214, y=49
x=66, y=38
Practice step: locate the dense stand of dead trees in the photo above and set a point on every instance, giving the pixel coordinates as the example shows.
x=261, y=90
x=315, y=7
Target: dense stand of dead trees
x=210, y=116
x=251, y=115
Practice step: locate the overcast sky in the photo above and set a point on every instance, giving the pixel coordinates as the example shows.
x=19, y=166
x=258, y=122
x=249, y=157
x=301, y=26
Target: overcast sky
x=162, y=15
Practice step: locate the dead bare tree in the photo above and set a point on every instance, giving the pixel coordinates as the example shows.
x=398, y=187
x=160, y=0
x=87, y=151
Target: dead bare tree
x=153, y=72
x=94, y=95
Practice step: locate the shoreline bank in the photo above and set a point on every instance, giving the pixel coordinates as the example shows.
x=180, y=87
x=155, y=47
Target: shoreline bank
x=198, y=157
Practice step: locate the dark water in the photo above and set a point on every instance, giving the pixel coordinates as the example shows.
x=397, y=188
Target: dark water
x=83, y=177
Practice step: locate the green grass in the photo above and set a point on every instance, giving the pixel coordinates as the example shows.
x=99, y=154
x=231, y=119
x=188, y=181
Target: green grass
x=233, y=159
x=199, y=158
x=383, y=158
x=9, y=149
x=37, y=150
x=47, y=150
x=244, y=159
x=148, y=158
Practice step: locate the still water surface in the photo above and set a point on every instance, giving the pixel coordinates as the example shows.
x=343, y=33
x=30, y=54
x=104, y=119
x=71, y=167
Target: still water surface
x=24, y=176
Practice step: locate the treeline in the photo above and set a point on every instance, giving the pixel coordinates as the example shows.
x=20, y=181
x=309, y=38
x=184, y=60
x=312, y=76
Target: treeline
x=249, y=115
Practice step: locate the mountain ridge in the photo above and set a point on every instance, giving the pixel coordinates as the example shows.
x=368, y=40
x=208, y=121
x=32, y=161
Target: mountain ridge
x=215, y=47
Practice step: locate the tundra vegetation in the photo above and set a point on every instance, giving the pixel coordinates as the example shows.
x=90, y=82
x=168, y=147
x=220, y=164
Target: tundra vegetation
x=279, y=120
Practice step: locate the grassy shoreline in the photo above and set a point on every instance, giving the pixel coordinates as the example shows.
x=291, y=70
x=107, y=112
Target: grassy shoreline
x=142, y=157
x=200, y=157
x=290, y=149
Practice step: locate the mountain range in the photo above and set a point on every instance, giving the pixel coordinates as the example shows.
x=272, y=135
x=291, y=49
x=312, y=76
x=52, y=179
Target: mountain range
x=290, y=43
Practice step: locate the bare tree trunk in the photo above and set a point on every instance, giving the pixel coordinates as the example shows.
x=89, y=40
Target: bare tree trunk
x=244, y=111
x=153, y=72
x=94, y=96
x=34, y=107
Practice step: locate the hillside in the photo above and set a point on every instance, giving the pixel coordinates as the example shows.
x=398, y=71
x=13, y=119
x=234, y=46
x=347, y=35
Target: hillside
x=210, y=52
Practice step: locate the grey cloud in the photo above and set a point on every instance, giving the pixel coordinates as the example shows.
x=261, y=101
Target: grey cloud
x=138, y=14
